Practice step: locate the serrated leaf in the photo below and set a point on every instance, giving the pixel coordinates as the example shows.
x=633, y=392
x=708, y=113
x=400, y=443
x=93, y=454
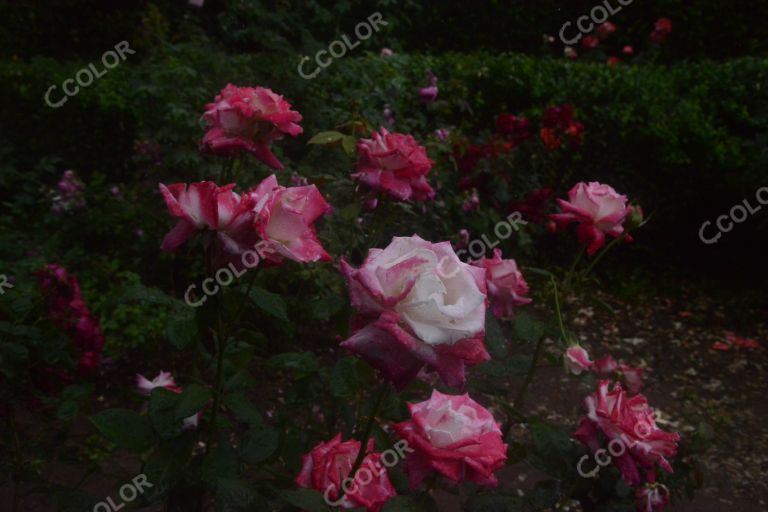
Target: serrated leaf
x=181, y=331
x=528, y=328
x=192, y=399
x=125, y=428
x=242, y=408
x=259, y=443
x=305, y=499
x=328, y=137
x=269, y=302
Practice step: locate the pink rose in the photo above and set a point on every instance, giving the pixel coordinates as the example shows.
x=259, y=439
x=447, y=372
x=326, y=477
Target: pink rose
x=598, y=209
x=285, y=218
x=248, y=119
x=205, y=205
x=606, y=29
x=577, y=360
x=396, y=164
x=163, y=380
x=628, y=422
x=428, y=94
x=455, y=436
x=506, y=285
x=418, y=305
x=326, y=467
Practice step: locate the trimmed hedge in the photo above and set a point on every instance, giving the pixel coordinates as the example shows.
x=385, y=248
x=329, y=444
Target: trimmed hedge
x=687, y=141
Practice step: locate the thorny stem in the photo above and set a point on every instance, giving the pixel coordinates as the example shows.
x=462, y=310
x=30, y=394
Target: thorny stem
x=380, y=394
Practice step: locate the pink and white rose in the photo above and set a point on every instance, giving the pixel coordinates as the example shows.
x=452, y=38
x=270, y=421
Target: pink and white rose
x=164, y=380
x=629, y=421
x=325, y=468
x=652, y=497
x=455, y=436
x=577, y=360
x=248, y=119
x=418, y=305
x=285, y=217
x=396, y=164
x=598, y=209
x=506, y=285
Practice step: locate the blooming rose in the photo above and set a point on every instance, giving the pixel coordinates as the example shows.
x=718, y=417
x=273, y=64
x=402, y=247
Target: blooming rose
x=661, y=30
x=455, y=436
x=598, y=209
x=418, y=305
x=605, y=29
x=396, y=164
x=327, y=466
x=164, y=380
x=285, y=218
x=513, y=127
x=590, y=42
x=248, y=119
x=630, y=422
x=506, y=285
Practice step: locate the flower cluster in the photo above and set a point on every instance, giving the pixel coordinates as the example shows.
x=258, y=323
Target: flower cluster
x=69, y=194
x=558, y=125
x=630, y=421
x=282, y=217
x=67, y=308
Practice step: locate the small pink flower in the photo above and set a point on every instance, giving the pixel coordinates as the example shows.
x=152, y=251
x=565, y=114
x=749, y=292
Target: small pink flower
x=386, y=52
x=661, y=30
x=248, y=119
x=577, y=360
x=428, y=94
x=598, y=209
x=454, y=436
x=472, y=202
x=418, y=305
x=506, y=285
x=630, y=422
x=396, y=164
x=163, y=380
x=652, y=497
x=613, y=61
x=442, y=134
x=570, y=52
x=328, y=464
x=628, y=50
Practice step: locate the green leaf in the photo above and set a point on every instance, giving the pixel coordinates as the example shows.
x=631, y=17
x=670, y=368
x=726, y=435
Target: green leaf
x=181, y=330
x=494, y=503
x=300, y=364
x=325, y=307
x=328, y=137
x=410, y=504
x=528, y=328
x=494, y=337
x=349, y=144
x=162, y=412
x=305, y=499
x=242, y=408
x=269, y=302
x=192, y=399
x=125, y=428
x=235, y=495
x=344, y=379
x=259, y=443
x=166, y=464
